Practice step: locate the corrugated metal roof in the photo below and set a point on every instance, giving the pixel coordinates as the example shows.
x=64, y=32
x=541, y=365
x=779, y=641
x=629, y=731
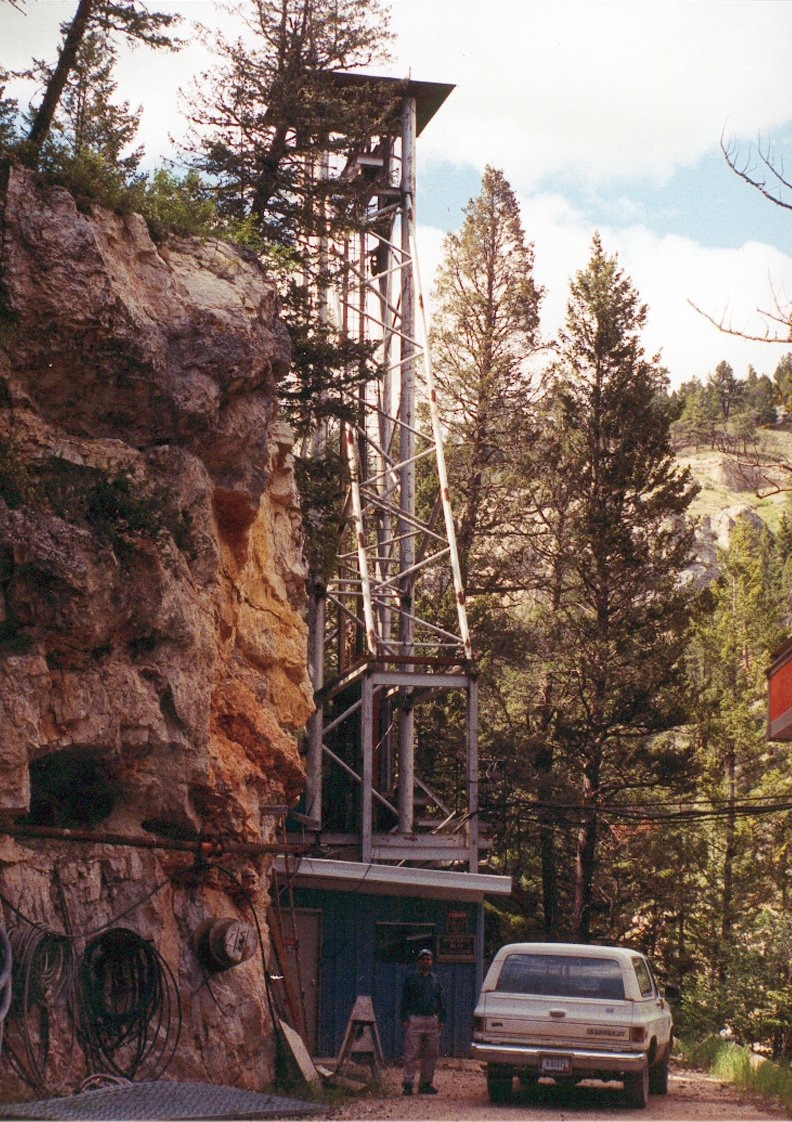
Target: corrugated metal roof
x=429, y=96
x=394, y=880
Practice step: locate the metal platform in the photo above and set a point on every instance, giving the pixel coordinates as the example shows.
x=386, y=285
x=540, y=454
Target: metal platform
x=162, y=1102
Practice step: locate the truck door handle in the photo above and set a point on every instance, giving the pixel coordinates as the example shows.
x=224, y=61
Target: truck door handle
x=557, y=1012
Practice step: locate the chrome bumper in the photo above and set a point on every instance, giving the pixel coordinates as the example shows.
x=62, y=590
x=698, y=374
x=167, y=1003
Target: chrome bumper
x=582, y=1059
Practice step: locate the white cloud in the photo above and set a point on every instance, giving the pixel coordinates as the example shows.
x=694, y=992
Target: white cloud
x=599, y=89
x=729, y=285
x=669, y=273
x=596, y=88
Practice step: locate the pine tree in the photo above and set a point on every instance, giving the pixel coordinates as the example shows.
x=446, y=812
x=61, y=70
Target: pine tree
x=726, y=388
x=609, y=500
x=272, y=125
x=759, y=397
x=738, y=624
x=484, y=332
x=271, y=110
x=129, y=18
x=88, y=122
x=699, y=414
x=9, y=113
x=782, y=382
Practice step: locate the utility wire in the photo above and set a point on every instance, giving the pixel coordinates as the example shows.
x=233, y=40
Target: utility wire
x=46, y=978
x=573, y=814
x=42, y=995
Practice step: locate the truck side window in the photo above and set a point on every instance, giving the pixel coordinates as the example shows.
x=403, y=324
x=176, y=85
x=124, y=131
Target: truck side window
x=644, y=977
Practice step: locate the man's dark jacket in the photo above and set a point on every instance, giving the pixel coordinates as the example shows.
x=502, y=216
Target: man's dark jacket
x=423, y=997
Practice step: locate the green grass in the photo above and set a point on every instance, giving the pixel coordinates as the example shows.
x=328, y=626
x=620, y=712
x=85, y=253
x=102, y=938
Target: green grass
x=740, y=1066
x=716, y=496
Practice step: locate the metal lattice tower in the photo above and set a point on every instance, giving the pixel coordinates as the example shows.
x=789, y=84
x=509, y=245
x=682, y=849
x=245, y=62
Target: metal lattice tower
x=379, y=643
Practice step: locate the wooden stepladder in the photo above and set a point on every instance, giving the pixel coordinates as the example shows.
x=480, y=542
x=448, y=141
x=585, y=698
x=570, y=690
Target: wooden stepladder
x=360, y=1060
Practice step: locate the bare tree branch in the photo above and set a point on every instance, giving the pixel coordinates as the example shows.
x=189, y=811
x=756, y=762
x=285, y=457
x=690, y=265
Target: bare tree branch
x=766, y=472
x=744, y=170
x=766, y=338
x=772, y=168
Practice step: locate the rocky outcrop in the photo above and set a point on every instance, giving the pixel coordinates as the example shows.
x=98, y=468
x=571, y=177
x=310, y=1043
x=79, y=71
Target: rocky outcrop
x=152, y=652
x=711, y=535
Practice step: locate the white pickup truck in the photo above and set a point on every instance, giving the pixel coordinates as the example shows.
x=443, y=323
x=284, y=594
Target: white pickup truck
x=569, y=1012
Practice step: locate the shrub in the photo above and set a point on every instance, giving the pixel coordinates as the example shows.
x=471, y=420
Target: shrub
x=741, y=1066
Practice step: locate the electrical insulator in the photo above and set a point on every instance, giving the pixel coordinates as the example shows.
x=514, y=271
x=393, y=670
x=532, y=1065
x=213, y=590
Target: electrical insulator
x=223, y=943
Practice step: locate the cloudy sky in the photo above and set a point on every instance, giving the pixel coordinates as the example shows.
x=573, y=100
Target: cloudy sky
x=603, y=116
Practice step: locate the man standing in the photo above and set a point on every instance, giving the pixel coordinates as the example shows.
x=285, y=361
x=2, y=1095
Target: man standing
x=422, y=1015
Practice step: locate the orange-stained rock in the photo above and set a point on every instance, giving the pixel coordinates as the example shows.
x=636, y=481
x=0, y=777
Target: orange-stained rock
x=247, y=746
x=153, y=676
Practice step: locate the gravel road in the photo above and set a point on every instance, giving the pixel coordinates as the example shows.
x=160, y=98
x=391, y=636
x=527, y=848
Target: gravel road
x=692, y=1097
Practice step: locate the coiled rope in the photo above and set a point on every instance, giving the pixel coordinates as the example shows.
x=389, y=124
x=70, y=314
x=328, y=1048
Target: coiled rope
x=129, y=1013
x=102, y=1082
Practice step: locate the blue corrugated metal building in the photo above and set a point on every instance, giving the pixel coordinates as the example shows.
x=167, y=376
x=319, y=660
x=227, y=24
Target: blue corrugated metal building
x=358, y=932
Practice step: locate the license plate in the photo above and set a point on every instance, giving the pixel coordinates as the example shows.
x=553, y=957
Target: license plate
x=557, y=1065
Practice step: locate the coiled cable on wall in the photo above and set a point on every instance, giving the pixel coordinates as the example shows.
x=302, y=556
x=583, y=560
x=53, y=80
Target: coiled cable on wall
x=42, y=992
x=129, y=1013
x=6, y=960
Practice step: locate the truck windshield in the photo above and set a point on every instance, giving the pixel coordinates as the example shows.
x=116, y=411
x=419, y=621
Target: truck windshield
x=550, y=975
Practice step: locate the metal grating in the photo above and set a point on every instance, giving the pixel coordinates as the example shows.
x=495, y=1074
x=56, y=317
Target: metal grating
x=162, y=1101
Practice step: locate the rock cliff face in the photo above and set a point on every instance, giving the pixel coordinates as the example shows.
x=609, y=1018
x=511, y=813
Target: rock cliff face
x=152, y=654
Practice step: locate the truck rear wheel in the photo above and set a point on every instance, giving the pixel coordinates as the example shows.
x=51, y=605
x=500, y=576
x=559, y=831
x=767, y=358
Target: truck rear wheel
x=636, y=1087
x=499, y=1084
x=658, y=1077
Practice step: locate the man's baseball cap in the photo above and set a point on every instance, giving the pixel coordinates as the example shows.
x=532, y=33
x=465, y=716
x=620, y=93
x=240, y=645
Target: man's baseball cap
x=423, y=951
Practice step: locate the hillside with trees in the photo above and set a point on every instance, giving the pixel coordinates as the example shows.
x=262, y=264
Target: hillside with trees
x=625, y=767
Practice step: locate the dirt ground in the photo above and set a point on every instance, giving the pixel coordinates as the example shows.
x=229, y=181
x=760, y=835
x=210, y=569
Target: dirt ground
x=692, y=1097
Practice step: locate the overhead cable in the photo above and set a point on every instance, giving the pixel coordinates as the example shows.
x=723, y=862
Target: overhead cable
x=572, y=814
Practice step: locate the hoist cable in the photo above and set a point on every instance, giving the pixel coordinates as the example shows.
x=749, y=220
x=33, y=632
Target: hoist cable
x=246, y=896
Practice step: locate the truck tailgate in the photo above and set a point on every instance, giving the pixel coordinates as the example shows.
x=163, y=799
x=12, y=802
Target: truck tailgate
x=557, y=1022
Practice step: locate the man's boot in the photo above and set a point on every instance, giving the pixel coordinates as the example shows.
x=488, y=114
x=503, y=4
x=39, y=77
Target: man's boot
x=406, y=1088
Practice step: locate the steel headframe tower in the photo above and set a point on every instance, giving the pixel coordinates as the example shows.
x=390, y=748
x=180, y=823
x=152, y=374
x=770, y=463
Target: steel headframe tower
x=377, y=646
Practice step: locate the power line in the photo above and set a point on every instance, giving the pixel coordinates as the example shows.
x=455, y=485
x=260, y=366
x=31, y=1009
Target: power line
x=573, y=814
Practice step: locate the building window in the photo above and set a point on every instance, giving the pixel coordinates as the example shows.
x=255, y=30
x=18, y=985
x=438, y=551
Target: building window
x=401, y=942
